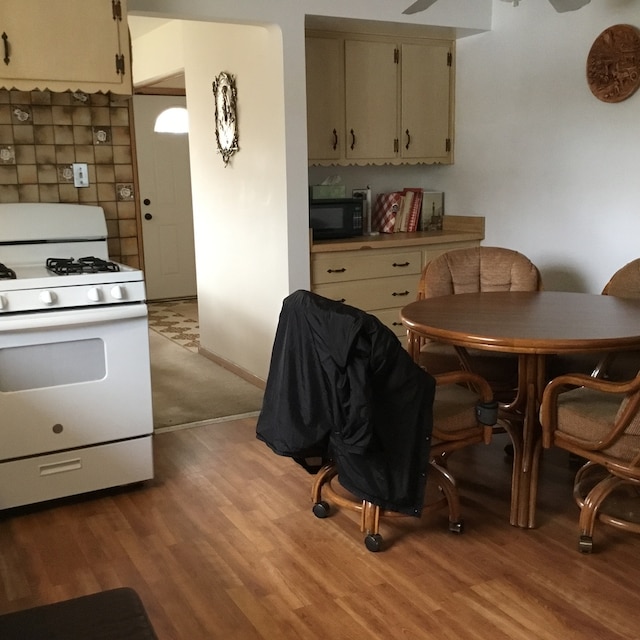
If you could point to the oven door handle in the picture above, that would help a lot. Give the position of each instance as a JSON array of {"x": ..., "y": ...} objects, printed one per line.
[{"x": 56, "y": 319}]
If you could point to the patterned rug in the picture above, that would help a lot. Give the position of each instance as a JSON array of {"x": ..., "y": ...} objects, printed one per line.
[{"x": 176, "y": 320}]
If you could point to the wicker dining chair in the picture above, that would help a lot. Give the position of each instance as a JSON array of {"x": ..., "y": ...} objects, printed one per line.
[
  {"x": 613, "y": 365},
  {"x": 598, "y": 421},
  {"x": 474, "y": 270},
  {"x": 463, "y": 414}
]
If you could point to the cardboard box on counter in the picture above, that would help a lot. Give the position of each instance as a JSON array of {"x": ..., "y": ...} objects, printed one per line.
[{"x": 327, "y": 191}]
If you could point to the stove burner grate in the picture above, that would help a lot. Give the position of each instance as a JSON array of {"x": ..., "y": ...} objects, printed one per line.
[
  {"x": 68, "y": 266},
  {"x": 6, "y": 273}
]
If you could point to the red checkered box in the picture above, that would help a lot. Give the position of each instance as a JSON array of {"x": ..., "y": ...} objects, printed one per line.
[{"x": 385, "y": 210}]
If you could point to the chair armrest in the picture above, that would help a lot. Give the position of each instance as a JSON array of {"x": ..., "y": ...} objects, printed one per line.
[
  {"x": 473, "y": 380},
  {"x": 557, "y": 385},
  {"x": 548, "y": 407},
  {"x": 486, "y": 409}
]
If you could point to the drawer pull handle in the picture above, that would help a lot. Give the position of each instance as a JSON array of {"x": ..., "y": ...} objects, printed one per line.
[
  {"x": 5, "y": 39},
  {"x": 397, "y": 324},
  {"x": 401, "y": 293},
  {"x": 336, "y": 270},
  {"x": 60, "y": 467},
  {"x": 353, "y": 139},
  {"x": 400, "y": 264},
  {"x": 335, "y": 139}
]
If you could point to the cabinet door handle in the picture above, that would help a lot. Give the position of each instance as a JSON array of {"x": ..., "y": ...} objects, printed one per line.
[
  {"x": 336, "y": 270},
  {"x": 400, "y": 264},
  {"x": 5, "y": 39},
  {"x": 408, "y": 139},
  {"x": 353, "y": 139},
  {"x": 400, "y": 293},
  {"x": 335, "y": 139}
]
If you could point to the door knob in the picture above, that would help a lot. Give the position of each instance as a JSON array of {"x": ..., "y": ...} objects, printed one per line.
[{"x": 147, "y": 216}]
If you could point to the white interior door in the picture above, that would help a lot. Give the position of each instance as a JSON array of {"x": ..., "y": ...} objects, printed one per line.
[{"x": 165, "y": 201}]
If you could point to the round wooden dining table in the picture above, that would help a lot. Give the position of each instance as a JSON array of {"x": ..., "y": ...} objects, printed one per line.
[{"x": 532, "y": 325}]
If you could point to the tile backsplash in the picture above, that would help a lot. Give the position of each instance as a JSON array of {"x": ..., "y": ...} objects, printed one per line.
[{"x": 42, "y": 133}]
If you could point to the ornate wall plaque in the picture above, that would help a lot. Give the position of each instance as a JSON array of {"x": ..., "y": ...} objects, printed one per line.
[
  {"x": 224, "y": 91},
  {"x": 613, "y": 64}
]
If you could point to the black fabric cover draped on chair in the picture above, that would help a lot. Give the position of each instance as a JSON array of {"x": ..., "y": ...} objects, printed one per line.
[{"x": 341, "y": 387}]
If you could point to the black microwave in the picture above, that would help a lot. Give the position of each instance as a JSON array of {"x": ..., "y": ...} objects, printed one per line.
[{"x": 336, "y": 218}]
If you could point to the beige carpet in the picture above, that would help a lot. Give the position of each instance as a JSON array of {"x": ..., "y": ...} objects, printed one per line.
[{"x": 187, "y": 387}]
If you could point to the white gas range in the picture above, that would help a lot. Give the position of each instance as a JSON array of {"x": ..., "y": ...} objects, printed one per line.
[{"x": 75, "y": 386}]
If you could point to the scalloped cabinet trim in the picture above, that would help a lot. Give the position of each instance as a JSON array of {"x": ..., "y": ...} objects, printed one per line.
[{"x": 73, "y": 45}]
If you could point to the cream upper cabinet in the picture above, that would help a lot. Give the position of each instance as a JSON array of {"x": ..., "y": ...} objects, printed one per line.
[
  {"x": 325, "y": 98},
  {"x": 391, "y": 97},
  {"x": 371, "y": 106},
  {"x": 425, "y": 129},
  {"x": 60, "y": 46}
]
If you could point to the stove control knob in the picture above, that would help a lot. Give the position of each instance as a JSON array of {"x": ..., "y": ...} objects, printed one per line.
[
  {"x": 47, "y": 297},
  {"x": 117, "y": 292},
  {"x": 94, "y": 294}
]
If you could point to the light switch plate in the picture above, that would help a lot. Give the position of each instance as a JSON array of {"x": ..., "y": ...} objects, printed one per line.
[{"x": 80, "y": 174}]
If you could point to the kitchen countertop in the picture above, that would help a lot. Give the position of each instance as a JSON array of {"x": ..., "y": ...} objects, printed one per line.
[{"x": 455, "y": 229}]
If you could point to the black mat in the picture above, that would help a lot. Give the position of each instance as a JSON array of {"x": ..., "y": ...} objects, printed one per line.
[{"x": 117, "y": 614}]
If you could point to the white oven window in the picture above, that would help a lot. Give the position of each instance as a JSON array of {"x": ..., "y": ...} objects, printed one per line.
[{"x": 50, "y": 365}]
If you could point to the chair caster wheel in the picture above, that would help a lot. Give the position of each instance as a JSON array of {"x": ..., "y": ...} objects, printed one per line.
[
  {"x": 373, "y": 542},
  {"x": 321, "y": 509},
  {"x": 456, "y": 527},
  {"x": 586, "y": 544}
]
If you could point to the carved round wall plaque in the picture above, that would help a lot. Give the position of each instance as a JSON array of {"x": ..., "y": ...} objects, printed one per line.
[{"x": 613, "y": 64}]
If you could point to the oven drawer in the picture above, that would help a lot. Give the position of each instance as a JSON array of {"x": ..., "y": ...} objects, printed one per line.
[{"x": 41, "y": 478}]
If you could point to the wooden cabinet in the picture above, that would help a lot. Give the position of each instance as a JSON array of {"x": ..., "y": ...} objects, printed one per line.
[
  {"x": 325, "y": 98},
  {"x": 371, "y": 100},
  {"x": 379, "y": 99},
  {"x": 426, "y": 129},
  {"x": 75, "y": 45},
  {"x": 380, "y": 274}
]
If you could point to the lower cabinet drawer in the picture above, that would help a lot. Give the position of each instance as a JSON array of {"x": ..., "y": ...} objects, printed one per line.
[
  {"x": 383, "y": 293},
  {"x": 30, "y": 480},
  {"x": 391, "y": 318},
  {"x": 345, "y": 266}
]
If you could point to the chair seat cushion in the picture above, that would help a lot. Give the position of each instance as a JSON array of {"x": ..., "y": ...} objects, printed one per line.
[
  {"x": 590, "y": 415},
  {"x": 454, "y": 410}
]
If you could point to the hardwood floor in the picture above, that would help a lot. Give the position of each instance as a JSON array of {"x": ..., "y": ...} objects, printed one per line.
[{"x": 223, "y": 544}]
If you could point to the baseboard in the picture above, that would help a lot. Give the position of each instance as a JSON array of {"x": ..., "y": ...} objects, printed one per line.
[
  {"x": 233, "y": 368},
  {"x": 206, "y": 423}
]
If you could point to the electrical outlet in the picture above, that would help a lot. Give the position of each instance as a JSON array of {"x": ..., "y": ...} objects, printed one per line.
[{"x": 80, "y": 174}]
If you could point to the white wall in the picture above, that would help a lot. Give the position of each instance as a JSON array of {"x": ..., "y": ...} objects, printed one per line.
[
  {"x": 240, "y": 220},
  {"x": 251, "y": 219},
  {"x": 553, "y": 169}
]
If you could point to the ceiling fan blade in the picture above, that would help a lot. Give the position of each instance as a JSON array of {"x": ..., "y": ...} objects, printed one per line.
[
  {"x": 568, "y": 5},
  {"x": 419, "y": 5}
]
